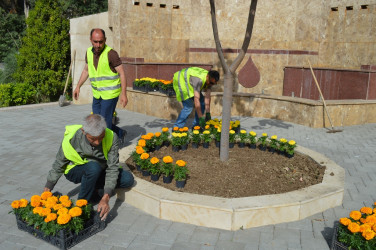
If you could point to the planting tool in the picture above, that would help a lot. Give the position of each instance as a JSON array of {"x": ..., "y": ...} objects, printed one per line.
[
  {"x": 323, "y": 100},
  {"x": 62, "y": 98}
]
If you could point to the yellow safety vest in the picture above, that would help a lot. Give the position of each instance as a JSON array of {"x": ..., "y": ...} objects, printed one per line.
[
  {"x": 183, "y": 89},
  {"x": 71, "y": 154},
  {"x": 104, "y": 82}
]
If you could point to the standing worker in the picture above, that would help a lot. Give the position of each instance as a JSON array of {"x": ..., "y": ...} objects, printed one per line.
[
  {"x": 188, "y": 84},
  {"x": 107, "y": 77}
]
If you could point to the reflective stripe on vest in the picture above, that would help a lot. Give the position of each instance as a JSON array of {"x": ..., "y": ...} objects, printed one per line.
[
  {"x": 71, "y": 154},
  {"x": 183, "y": 89},
  {"x": 105, "y": 83}
]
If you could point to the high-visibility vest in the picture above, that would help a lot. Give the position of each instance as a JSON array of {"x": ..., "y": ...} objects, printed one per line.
[
  {"x": 71, "y": 154},
  {"x": 104, "y": 83},
  {"x": 183, "y": 89}
]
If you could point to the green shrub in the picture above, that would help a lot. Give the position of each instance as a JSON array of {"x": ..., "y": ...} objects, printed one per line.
[{"x": 13, "y": 94}]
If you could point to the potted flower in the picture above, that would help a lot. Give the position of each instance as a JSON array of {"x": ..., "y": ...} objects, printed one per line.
[
  {"x": 167, "y": 169},
  {"x": 165, "y": 136},
  {"x": 217, "y": 136},
  {"x": 357, "y": 231},
  {"x": 206, "y": 138},
  {"x": 232, "y": 137},
  {"x": 155, "y": 169},
  {"x": 273, "y": 143},
  {"x": 149, "y": 142},
  {"x": 158, "y": 140},
  {"x": 242, "y": 138},
  {"x": 290, "y": 148},
  {"x": 166, "y": 88},
  {"x": 263, "y": 141},
  {"x": 184, "y": 141},
  {"x": 236, "y": 126},
  {"x": 253, "y": 139},
  {"x": 136, "y": 156},
  {"x": 176, "y": 141},
  {"x": 196, "y": 138},
  {"x": 145, "y": 164},
  {"x": 282, "y": 145},
  {"x": 180, "y": 173}
]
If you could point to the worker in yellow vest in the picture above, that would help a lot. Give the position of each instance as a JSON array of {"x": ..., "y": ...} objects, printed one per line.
[
  {"x": 188, "y": 84},
  {"x": 107, "y": 77},
  {"x": 89, "y": 154}
]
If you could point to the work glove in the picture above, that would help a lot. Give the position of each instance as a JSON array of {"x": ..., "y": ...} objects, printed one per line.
[
  {"x": 207, "y": 116},
  {"x": 202, "y": 122}
]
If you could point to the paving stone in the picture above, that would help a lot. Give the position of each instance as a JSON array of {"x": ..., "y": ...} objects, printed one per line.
[
  {"x": 204, "y": 236},
  {"x": 225, "y": 245}
]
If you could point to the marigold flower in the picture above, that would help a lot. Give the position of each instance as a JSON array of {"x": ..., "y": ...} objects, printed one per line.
[
  {"x": 67, "y": 203},
  {"x": 364, "y": 227},
  {"x": 219, "y": 130},
  {"x": 63, "y": 219},
  {"x": 207, "y": 126},
  {"x": 368, "y": 234},
  {"x": 15, "y": 204},
  {"x": 181, "y": 130},
  {"x": 37, "y": 210},
  {"x": 75, "y": 211},
  {"x": 141, "y": 143},
  {"x": 45, "y": 195},
  {"x": 353, "y": 227},
  {"x": 144, "y": 156},
  {"x": 232, "y": 132},
  {"x": 45, "y": 211},
  {"x": 196, "y": 127},
  {"x": 264, "y": 134},
  {"x": 157, "y": 134},
  {"x": 35, "y": 203},
  {"x": 62, "y": 210},
  {"x": 374, "y": 227},
  {"x": 167, "y": 159},
  {"x": 151, "y": 135},
  {"x": 180, "y": 163},
  {"x": 35, "y": 198},
  {"x": 345, "y": 221},
  {"x": 196, "y": 132},
  {"x": 50, "y": 217},
  {"x": 206, "y": 132},
  {"x": 56, "y": 207},
  {"x": 185, "y": 129},
  {"x": 81, "y": 203},
  {"x": 252, "y": 133},
  {"x": 184, "y": 134},
  {"x": 176, "y": 129},
  {"x": 165, "y": 129},
  {"x": 154, "y": 160},
  {"x": 273, "y": 137},
  {"x": 143, "y": 137},
  {"x": 243, "y": 131},
  {"x": 366, "y": 210},
  {"x": 175, "y": 134},
  {"x": 23, "y": 203},
  {"x": 355, "y": 215},
  {"x": 292, "y": 142},
  {"x": 50, "y": 204},
  {"x": 64, "y": 198},
  {"x": 140, "y": 150}
]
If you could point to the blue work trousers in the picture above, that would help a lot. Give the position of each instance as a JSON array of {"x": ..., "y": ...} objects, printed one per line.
[
  {"x": 188, "y": 106},
  {"x": 106, "y": 108}
]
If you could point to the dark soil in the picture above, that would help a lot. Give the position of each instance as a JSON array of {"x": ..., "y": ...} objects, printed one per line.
[{"x": 248, "y": 172}]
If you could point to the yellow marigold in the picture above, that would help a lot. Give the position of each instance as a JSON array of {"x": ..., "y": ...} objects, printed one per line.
[
  {"x": 175, "y": 129},
  {"x": 353, "y": 227},
  {"x": 232, "y": 132},
  {"x": 45, "y": 211},
  {"x": 196, "y": 127},
  {"x": 35, "y": 198},
  {"x": 274, "y": 137},
  {"x": 64, "y": 198},
  {"x": 15, "y": 204},
  {"x": 67, "y": 203},
  {"x": 364, "y": 227},
  {"x": 23, "y": 203},
  {"x": 157, "y": 134},
  {"x": 140, "y": 150},
  {"x": 355, "y": 215},
  {"x": 345, "y": 221},
  {"x": 154, "y": 160},
  {"x": 37, "y": 210},
  {"x": 368, "y": 234},
  {"x": 63, "y": 219},
  {"x": 175, "y": 134},
  {"x": 180, "y": 163},
  {"x": 144, "y": 156},
  {"x": 219, "y": 130},
  {"x": 57, "y": 206},
  {"x": 45, "y": 195},
  {"x": 62, "y": 210},
  {"x": 264, "y": 134},
  {"x": 81, "y": 203},
  {"x": 196, "y": 132},
  {"x": 243, "y": 131},
  {"x": 165, "y": 129},
  {"x": 252, "y": 133},
  {"x": 141, "y": 143},
  {"x": 207, "y": 126},
  {"x": 184, "y": 134},
  {"x": 50, "y": 217},
  {"x": 35, "y": 203},
  {"x": 366, "y": 210},
  {"x": 206, "y": 132},
  {"x": 75, "y": 211},
  {"x": 167, "y": 159},
  {"x": 283, "y": 140},
  {"x": 292, "y": 142}
]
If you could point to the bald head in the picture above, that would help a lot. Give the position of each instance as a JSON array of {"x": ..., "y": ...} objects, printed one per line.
[{"x": 98, "y": 39}]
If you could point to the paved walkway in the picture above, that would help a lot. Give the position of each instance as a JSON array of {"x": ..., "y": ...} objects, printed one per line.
[{"x": 30, "y": 137}]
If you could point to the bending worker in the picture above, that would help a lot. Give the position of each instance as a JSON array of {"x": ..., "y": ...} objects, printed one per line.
[
  {"x": 89, "y": 155},
  {"x": 188, "y": 84}
]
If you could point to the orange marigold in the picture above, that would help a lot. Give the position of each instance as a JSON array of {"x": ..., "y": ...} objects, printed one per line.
[
  {"x": 366, "y": 210},
  {"x": 355, "y": 215},
  {"x": 52, "y": 199},
  {"x": 35, "y": 203},
  {"x": 81, "y": 203},
  {"x": 196, "y": 127},
  {"x": 50, "y": 204},
  {"x": 75, "y": 211},
  {"x": 15, "y": 204},
  {"x": 180, "y": 163},
  {"x": 144, "y": 156},
  {"x": 35, "y": 198},
  {"x": 37, "y": 210},
  {"x": 45, "y": 195},
  {"x": 63, "y": 219},
  {"x": 67, "y": 203},
  {"x": 151, "y": 135},
  {"x": 56, "y": 207},
  {"x": 181, "y": 130},
  {"x": 157, "y": 134},
  {"x": 364, "y": 227},
  {"x": 207, "y": 126},
  {"x": 50, "y": 217},
  {"x": 140, "y": 150},
  {"x": 353, "y": 227},
  {"x": 23, "y": 203},
  {"x": 154, "y": 160},
  {"x": 165, "y": 129},
  {"x": 175, "y": 128},
  {"x": 368, "y": 234},
  {"x": 345, "y": 221},
  {"x": 141, "y": 143},
  {"x": 374, "y": 227},
  {"x": 167, "y": 159},
  {"x": 64, "y": 198},
  {"x": 63, "y": 210}
]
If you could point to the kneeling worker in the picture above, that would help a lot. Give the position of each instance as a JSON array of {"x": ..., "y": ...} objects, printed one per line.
[{"x": 89, "y": 154}]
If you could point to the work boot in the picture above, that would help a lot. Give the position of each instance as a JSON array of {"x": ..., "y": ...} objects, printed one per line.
[{"x": 123, "y": 133}]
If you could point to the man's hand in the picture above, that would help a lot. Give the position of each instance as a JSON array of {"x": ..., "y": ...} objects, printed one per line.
[
  {"x": 207, "y": 116},
  {"x": 46, "y": 190},
  {"x": 202, "y": 122},
  {"x": 123, "y": 100},
  {"x": 76, "y": 93},
  {"x": 104, "y": 207}
]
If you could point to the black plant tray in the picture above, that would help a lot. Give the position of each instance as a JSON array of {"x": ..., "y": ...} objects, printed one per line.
[
  {"x": 336, "y": 245},
  {"x": 64, "y": 239}
]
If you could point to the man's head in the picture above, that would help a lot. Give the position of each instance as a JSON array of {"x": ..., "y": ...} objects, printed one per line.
[
  {"x": 94, "y": 129},
  {"x": 213, "y": 77},
  {"x": 98, "y": 39}
]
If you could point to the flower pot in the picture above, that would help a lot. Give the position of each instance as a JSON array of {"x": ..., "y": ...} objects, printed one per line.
[
  {"x": 138, "y": 167},
  {"x": 166, "y": 143},
  {"x": 194, "y": 145},
  {"x": 231, "y": 145},
  {"x": 289, "y": 156},
  {"x": 154, "y": 177},
  {"x": 336, "y": 245},
  {"x": 262, "y": 148},
  {"x": 272, "y": 150},
  {"x": 218, "y": 144},
  {"x": 205, "y": 144},
  {"x": 145, "y": 172},
  {"x": 184, "y": 147},
  {"x": 180, "y": 184},
  {"x": 253, "y": 146},
  {"x": 167, "y": 179},
  {"x": 158, "y": 147},
  {"x": 175, "y": 148},
  {"x": 241, "y": 144}
]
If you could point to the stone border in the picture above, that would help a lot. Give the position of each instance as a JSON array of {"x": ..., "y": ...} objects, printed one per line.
[{"x": 236, "y": 213}]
